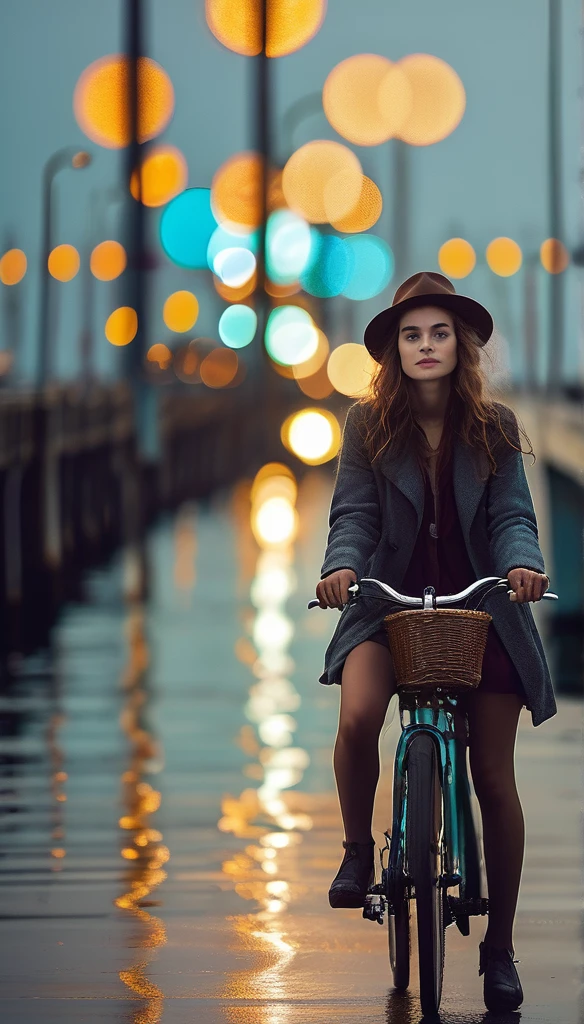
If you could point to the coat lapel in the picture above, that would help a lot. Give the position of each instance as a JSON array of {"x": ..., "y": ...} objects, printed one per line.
[
  {"x": 471, "y": 472},
  {"x": 403, "y": 471}
]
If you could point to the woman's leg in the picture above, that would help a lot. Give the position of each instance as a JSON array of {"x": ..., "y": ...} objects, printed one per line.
[
  {"x": 368, "y": 682},
  {"x": 493, "y": 719}
]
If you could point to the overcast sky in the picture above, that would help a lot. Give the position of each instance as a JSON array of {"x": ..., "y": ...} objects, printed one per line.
[{"x": 488, "y": 178}]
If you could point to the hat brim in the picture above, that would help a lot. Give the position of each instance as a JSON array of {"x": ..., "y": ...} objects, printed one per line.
[{"x": 378, "y": 330}]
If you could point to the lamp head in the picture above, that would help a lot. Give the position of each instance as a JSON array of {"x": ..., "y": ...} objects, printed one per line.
[{"x": 80, "y": 160}]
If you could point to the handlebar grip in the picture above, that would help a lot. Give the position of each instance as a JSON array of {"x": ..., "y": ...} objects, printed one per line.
[{"x": 313, "y": 604}]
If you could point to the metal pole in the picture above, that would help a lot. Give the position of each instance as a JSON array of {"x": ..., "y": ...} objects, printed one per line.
[
  {"x": 133, "y": 278},
  {"x": 401, "y": 209},
  {"x": 62, "y": 158},
  {"x": 555, "y": 166}
]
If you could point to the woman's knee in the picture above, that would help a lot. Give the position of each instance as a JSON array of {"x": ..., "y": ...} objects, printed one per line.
[
  {"x": 358, "y": 731},
  {"x": 495, "y": 788}
]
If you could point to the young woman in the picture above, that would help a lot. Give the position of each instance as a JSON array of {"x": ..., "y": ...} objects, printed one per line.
[{"x": 431, "y": 490}]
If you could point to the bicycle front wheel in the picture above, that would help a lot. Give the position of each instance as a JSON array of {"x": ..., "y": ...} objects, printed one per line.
[{"x": 424, "y": 861}]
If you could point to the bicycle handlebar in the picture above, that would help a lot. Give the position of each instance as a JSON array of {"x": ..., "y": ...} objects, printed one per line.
[{"x": 384, "y": 592}]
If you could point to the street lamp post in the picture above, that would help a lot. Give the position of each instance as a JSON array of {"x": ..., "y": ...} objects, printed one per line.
[{"x": 67, "y": 157}]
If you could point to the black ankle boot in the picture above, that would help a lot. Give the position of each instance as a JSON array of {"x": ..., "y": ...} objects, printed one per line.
[
  {"x": 502, "y": 988},
  {"x": 354, "y": 876}
]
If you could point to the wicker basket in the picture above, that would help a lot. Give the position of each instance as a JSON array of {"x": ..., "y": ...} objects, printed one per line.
[{"x": 437, "y": 647}]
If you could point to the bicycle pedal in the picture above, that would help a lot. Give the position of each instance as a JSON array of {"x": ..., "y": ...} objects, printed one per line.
[{"x": 375, "y": 905}]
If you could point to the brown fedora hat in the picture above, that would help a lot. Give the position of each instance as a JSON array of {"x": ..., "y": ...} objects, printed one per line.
[{"x": 426, "y": 289}]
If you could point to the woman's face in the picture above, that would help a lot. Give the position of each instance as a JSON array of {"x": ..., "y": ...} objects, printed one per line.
[{"x": 427, "y": 333}]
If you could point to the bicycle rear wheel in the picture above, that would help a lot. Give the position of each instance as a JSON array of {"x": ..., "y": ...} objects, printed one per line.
[{"x": 424, "y": 861}]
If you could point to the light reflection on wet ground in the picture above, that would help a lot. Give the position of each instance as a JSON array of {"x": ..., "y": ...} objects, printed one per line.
[{"x": 169, "y": 822}]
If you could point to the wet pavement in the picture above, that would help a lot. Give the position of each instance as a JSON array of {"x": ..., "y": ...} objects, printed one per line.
[{"x": 169, "y": 822}]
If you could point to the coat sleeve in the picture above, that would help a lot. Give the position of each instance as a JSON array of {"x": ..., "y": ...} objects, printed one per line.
[
  {"x": 355, "y": 514},
  {"x": 511, "y": 521}
]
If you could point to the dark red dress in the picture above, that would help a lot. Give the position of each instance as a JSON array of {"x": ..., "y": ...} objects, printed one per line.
[{"x": 440, "y": 560}]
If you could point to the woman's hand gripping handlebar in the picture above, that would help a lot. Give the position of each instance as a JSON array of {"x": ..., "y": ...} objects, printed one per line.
[{"x": 384, "y": 592}]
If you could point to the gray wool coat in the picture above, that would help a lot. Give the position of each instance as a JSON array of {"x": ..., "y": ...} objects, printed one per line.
[{"x": 375, "y": 516}]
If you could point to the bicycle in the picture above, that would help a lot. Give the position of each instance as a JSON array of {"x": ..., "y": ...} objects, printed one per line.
[{"x": 432, "y": 846}]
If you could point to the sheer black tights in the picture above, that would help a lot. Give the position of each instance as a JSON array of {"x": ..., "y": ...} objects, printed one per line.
[{"x": 367, "y": 686}]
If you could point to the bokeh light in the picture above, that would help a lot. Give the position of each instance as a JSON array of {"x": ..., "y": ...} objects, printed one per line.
[
  {"x": 186, "y": 227},
  {"x": 235, "y": 294},
  {"x": 237, "y": 326},
  {"x": 438, "y": 100},
  {"x": 290, "y": 24},
  {"x": 180, "y": 311},
  {"x": 235, "y": 266},
  {"x": 236, "y": 194},
  {"x": 159, "y": 354},
  {"x": 100, "y": 100},
  {"x": 311, "y": 365},
  {"x": 317, "y": 386},
  {"x": 13, "y": 266},
  {"x": 121, "y": 326},
  {"x": 366, "y": 99},
  {"x": 372, "y": 267},
  {"x": 288, "y": 246},
  {"x": 274, "y": 521},
  {"x": 554, "y": 256},
  {"x": 164, "y": 174},
  {"x": 291, "y": 335},
  {"x": 186, "y": 364},
  {"x": 456, "y": 257},
  {"x": 504, "y": 256},
  {"x": 349, "y": 369},
  {"x": 365, "y": 213},
  {"x": 273, "y": 479},
  {"x": 63, "y": 262},
  {"x": 322, "y": 181},
  {"x": 331, "y": 264},
  {"x": 219, "y": 368},
  {"x": 313, "y": 435},
  {"x": 108, "y": 260}
]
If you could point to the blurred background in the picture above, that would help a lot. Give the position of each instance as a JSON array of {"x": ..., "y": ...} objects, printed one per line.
[{"x": 202, "y": 206}]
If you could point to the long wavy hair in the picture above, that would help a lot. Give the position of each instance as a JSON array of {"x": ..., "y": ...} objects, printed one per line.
[{"x": 472, "y": 412}]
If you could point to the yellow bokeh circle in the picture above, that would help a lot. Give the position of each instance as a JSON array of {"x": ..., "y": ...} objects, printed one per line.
[
  {"x": 100, "y": 100},
  {"x": 312, "y": 365},
  {"x": 349, "y": 369},
  {"x": 554, "y": 256},
  {"x": 121, "y": 326},
  {"x": 163, "y": 175},
  {"x": 504, "y": 256},
  {"x": 235, "y": 191},
  {"x": 366, "y": 211},
  {"x": 322, "y": 181},
  {"x": 63, "y": 262},
  {"x": 13, "y": 266},
  {"x": 313, "y": 435},
  {"x": 438, "y": 100},
  {"x": 456, "y": 258},
  {"x": 366, "y": 98},
  {"x": 108, "y": 260},
  {"x": 290, "y": 24},
  {"x": 180, "y": 311}
]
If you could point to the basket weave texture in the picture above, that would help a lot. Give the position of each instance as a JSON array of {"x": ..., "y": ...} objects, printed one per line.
[{"x": 437, "y": 647}]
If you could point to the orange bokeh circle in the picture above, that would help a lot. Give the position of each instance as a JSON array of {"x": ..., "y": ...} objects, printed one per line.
[
  {"x": 108, "y": 260},
  {"x": 554, "y": 256},
  {"x": 100, "y": 100},
  {"x": 13, "y": 266},
  {"x": 365, "y": 213},
  {"x": 322, "y": 181},
  {"x": 219, "y": 368},
  {"x": 163, "y": 175},
  {"x": 504, "y": 256},
  {"x": 456, "y": 258},
  {"x": 438, "y": 100},
  {"x": 121, "y": 326},
  {"x": 366, "y": 99},
  {"x": 63, "y": 262},
  {"x": 290, "y": 24},
  {"x": 236, "y": 192}
]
